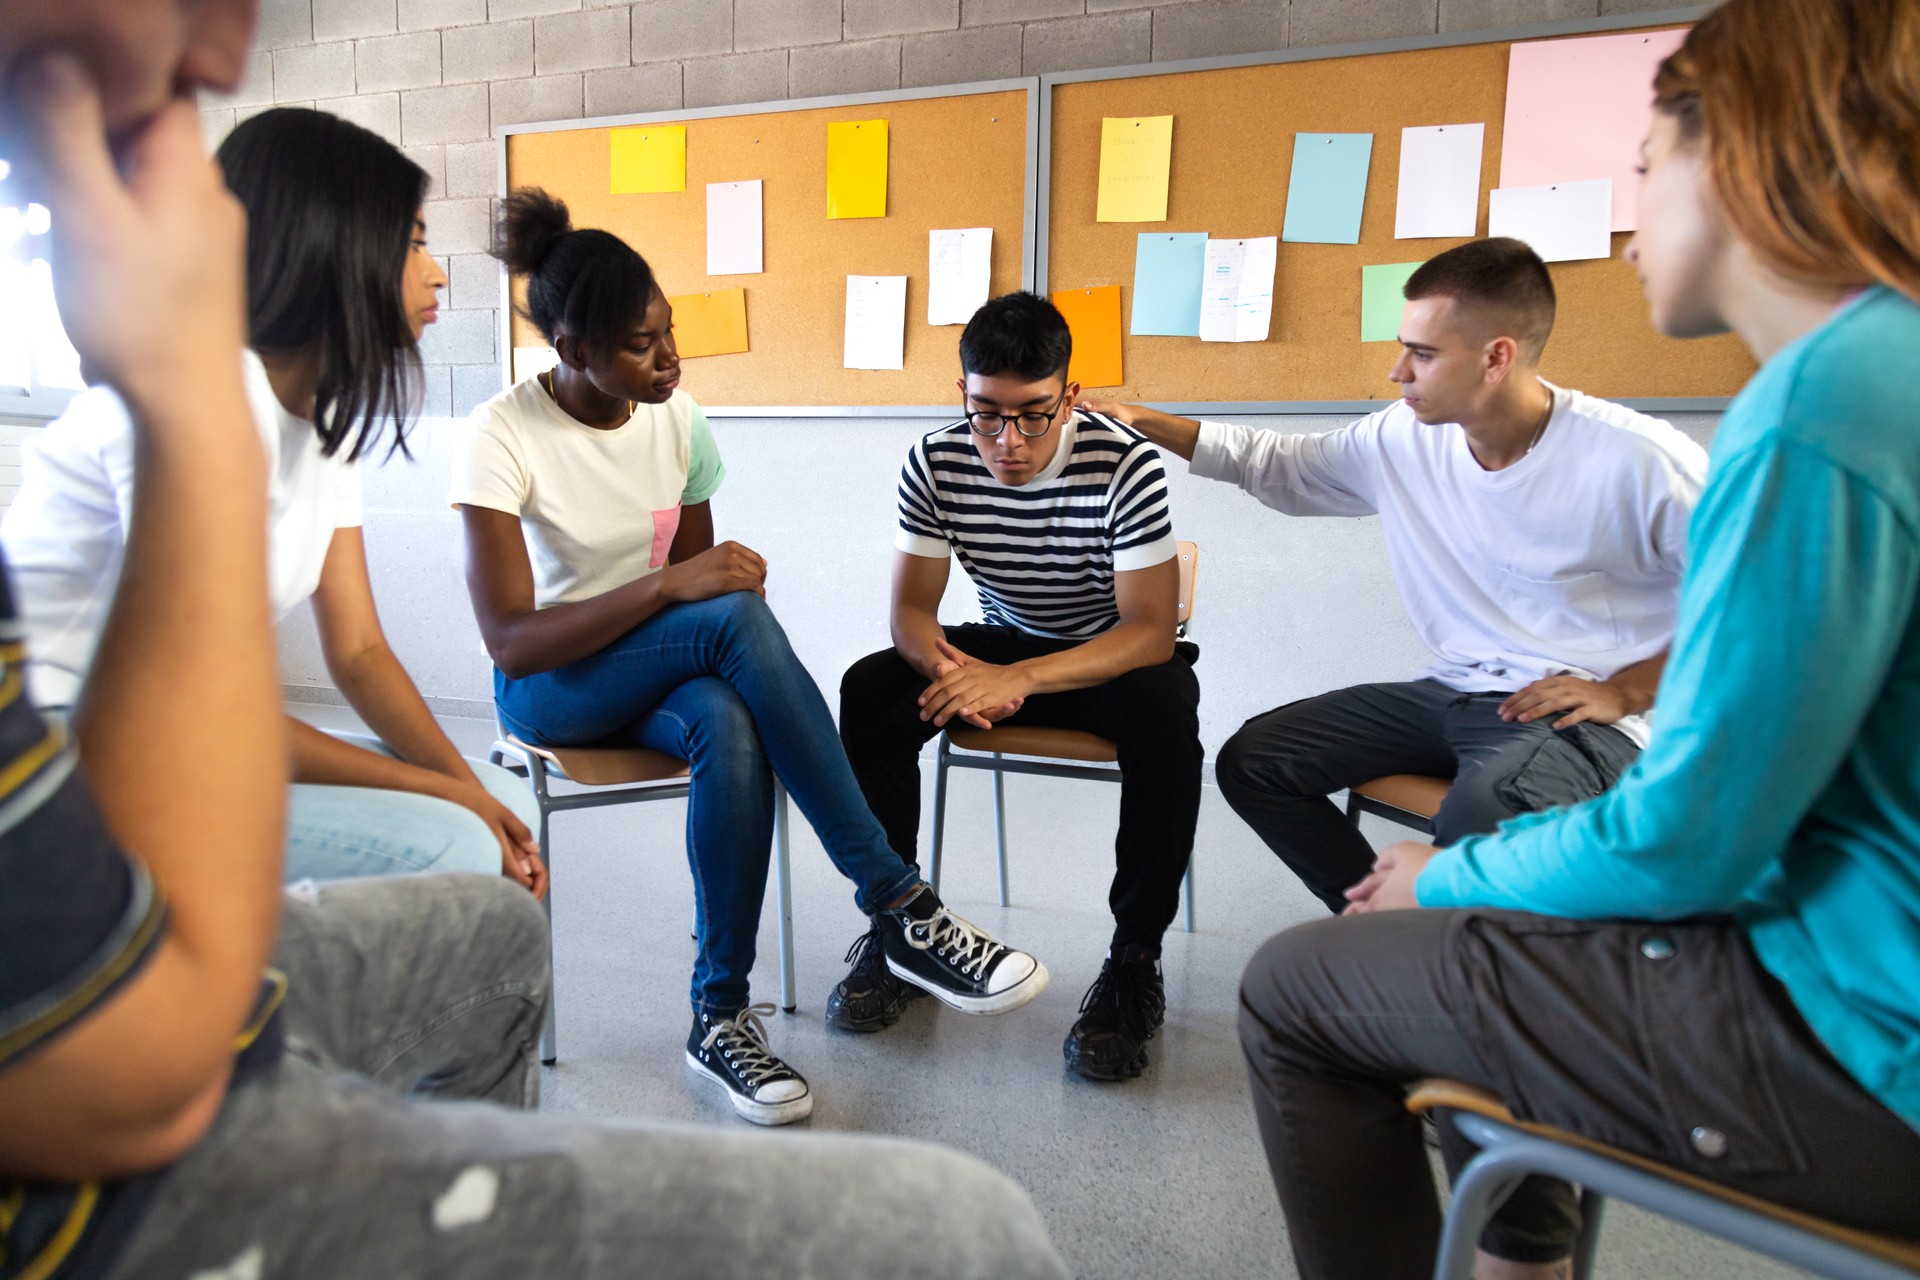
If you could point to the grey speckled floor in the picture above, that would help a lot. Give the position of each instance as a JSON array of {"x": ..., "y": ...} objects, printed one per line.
[{"x": 1161, "y": 1177}]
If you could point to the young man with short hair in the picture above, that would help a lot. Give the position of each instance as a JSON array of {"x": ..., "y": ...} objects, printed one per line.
[
  {"x": 1537, "y": 535},
  {"x": 1061, "y": 519}
]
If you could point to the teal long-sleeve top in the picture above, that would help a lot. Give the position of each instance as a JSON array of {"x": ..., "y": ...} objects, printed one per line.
[{"x": 1782, "y": 784}]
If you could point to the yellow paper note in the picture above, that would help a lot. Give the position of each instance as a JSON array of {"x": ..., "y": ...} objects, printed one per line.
[
  {"x": 857, "y": 169},
  {"x": 710, "y": 324},
  {"x": 649, "y": 158},
  {"x": 1135, "y": 153},
  {"x": 1093, "y": 318}
]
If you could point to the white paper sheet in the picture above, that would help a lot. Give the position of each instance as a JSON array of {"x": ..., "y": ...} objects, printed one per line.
[
  {"x": 1563, "y": 221},
  {"x": 1439, "y": 181},
  {"x": 876, "y": 322},
  {"x": 960, "y": 263},
  {"x": 1236, "y": 297},
  {"x": 733, "y": 229}
]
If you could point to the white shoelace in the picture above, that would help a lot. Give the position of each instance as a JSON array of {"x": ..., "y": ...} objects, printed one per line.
[
  {"x": 746, "y": 1047},
  {"x": 962, "y": 944}
]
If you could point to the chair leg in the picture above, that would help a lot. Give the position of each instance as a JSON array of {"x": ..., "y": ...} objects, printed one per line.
[
  {"x": 1000, "y": 825},
  {"x": 1592, "y": 1204},
  {"x": 1190, "y": 927},
  {"x": 783, "y": 892},
  {"x": 939, "y": 813},
  {"x": 549, "y": 1027}
]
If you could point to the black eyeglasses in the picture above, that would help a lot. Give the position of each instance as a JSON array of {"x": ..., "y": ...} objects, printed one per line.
[{"x": 1031, "y": 423}]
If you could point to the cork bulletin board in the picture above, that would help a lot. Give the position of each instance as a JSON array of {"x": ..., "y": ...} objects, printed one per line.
[
  {"x": 956, "y": 159},
  {"x": 1233, "y": 133}
]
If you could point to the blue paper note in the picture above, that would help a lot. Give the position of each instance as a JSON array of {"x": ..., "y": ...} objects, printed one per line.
[
  {"x": 1327, "y": 187},
  {"x": 1168, "y": 272}
]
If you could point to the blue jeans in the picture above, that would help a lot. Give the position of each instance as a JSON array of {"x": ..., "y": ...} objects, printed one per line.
[
  {"x": 339, "y": 833},
  {"x": 716, "y": 683}
]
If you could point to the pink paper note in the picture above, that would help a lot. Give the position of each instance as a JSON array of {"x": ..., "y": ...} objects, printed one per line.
[{"x": 1578, "y": 109}]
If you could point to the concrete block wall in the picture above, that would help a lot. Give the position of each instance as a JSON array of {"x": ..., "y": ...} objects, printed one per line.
[{"x": 1287, "y": 608}]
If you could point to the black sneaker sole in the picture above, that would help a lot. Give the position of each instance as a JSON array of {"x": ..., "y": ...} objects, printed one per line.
[
  {"x": 1089, "y": 1068},
  {"x": 838, "y": 1017}
]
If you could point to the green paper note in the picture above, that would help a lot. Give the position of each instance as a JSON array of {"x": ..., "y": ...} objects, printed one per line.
[{"x": 1381, "y": 299}]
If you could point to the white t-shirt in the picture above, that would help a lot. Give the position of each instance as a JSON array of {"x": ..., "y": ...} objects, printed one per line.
[
  {"x": 598, "y": 508},
  {"x": 1567, "y": 562},
  {"x": 66, "y": 532}
]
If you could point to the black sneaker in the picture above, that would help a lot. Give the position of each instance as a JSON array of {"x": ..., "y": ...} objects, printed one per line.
[
  {"x": 869, "y": 998},
  {"x": 733, "y": 1053},
  {"x": 957, "y": 963},
  {"x": 1124, "y": 1007}
]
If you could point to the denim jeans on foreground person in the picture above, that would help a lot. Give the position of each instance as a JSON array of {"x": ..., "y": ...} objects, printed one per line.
[
  {"x": 716, "y": 683},
  {"x": 320, "y": 1167},
  {"x": 336, "y": 833}
]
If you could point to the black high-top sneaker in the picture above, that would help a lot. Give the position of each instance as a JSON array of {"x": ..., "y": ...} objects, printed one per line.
[
  {"x": 957, "y": 963},
  {"x": 869, "y": 998},
  {"x": 733, "y": 1053},
  {"x": 1123, "y": 1008}
]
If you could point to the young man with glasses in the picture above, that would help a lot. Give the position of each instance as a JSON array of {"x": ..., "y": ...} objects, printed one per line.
[{"x": 1061, "y": 519}]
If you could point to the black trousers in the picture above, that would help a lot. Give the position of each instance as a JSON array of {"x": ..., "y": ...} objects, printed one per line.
[
  {"x": 1666, "y": 1040},
  {"x": 1152, "y": 715},
  {"x": 1279, "y": 768}
]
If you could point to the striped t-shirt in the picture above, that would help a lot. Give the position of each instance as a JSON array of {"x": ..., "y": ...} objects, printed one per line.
[{"x": 1042, "y": 554}]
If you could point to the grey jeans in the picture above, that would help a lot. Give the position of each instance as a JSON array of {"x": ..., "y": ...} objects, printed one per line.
[
  {"x": 1279, "y": 768},
  {"x": 323, "y": 1167},
  {"x": 1667, "y": 1040}
]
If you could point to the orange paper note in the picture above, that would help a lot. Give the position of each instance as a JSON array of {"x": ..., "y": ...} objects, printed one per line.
[
  {"x": 710, "y": 324},
  {"x": 1093, "y": 318}
]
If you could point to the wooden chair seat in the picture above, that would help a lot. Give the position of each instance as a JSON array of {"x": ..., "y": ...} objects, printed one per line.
[
  {"x": 1412, "y": 792},
  {"x": 607, "y": 766},
  {"x": 1451, "y": 1094},
  {"x": 1026, "y": 740}
]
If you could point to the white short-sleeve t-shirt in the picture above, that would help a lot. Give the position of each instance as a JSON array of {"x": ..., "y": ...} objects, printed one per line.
[
  {"x": 1568, "y": 562},
  {"x": 598, "y": 509},
  {"x": 66, "y": 532}
]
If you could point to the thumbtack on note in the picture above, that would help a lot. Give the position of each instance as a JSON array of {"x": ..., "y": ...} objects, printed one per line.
[
  {"x": 1327, "y": 188},
  {"x": 649, "y": 158}
]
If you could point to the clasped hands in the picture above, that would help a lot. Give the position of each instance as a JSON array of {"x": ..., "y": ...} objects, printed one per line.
[
  {"x": 1389, "y": 886},
  {"x": 979, "y": 693}
]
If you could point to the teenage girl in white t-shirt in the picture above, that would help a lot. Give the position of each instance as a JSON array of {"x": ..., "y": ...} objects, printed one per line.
[
  {"x": 612, "y": 617},
  {"x": 339, "y": 288}
]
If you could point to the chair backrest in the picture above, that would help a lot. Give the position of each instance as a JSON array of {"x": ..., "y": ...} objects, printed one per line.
[{"x": 1189, "y": 553}]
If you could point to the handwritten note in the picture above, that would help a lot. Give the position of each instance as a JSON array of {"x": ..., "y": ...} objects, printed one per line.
[
  {"x": 1236, "y": 300},
  {"x": 1135, "y": 156},
  {"x": 876, "y": 322},
  {"x": 649, "y": 158},
  {"x": 1563, "y": 221},
  {"x": 1093, "y": 319},
  {"x": 960, "y": 265},
  {"x": 1439, "y": 192},
  {"x": 713, "y": 323},
  {"x": 1577, "y": 110},
  {"x": 857, "y": 169},
  {"x": 734, "y": 238},
  {"x": 1327, "y": 188}
]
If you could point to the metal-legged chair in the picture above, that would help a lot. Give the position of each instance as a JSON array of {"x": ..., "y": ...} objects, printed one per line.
[
  {"x": 1511, "y": 1150},
  {"x": 1406, "y": 798},
  {"x": 1008, "y": 748},
  {"x": 629, "y": 775}
]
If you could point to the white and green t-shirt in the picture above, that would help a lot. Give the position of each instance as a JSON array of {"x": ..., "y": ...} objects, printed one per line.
[{"x": 598, "y": 508}]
